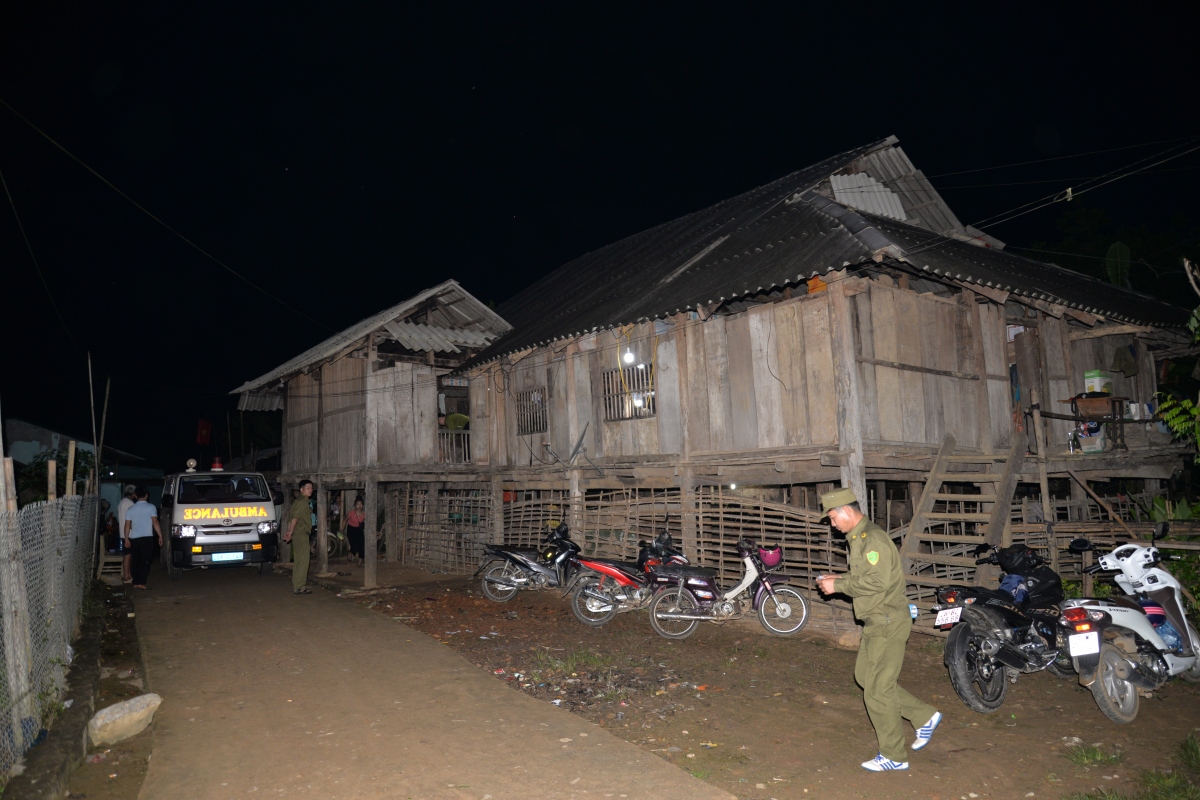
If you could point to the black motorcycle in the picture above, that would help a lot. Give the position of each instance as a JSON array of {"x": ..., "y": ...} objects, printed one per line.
[
  {"x": 508, "y": 570},
  {"x": 997, "y": 634}
]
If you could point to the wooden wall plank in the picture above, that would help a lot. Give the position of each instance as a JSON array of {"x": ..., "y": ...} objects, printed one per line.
[
  {"x": 698, "y": 426},
  {"x": 789, "y": 327},
  {"x": 741, "y": 382},
  {"x": 425, "y": 410},
  {"x": 992, "y": 332},
  {"x": 822, "y": 402},
  {"x": 667, "y": 411},
  {"x": 908, "y": 351},
  {"x": 599, "y": 426},
  {"x": 927, "y": 323},
  {"x": 768, "y": 384},
  {"x": 867, "y": 389},
  {"x": 558, "y": 426},
  {"x": 887, "y": 380},
  {"x": 583, "y": 410},
  {"x": 480, "y": 421},
  {"x": 720, "y": 401}
]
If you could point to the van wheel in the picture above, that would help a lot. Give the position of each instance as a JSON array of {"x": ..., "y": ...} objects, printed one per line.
[
  {"x": 173, "y": 572},
  {"x": 266, "y": 568}
]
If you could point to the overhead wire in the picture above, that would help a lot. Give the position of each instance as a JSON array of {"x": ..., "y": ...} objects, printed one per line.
[
  {"x": 38, "y": 267},
  {"x": 152, "y": 216}
]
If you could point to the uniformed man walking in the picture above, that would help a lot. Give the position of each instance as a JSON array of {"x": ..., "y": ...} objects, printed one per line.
[
  {"x": 298, "y": 530},
  {"x": 876, "y": 582}
]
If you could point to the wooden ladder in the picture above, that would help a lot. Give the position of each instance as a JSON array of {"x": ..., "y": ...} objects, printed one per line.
[{"x": 947, "y": 525}]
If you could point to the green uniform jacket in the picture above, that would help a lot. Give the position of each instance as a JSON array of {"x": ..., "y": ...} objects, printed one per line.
[
  {"x": 876, "y": 579},
  {"x": 301, "y": 511}
]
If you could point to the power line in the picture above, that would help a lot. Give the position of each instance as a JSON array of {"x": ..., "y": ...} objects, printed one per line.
[
  {"x": 1056, "y": 180},
  {"x": 36, "y": 266},
  {"x": 147, "y": 212},
  {"x": 1059, "y": 158}
]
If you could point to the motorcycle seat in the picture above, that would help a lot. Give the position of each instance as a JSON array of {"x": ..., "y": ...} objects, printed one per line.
[{"x": 687, "y": 571}]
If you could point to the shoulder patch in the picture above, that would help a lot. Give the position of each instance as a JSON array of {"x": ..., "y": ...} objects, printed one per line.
[{"x": 873, "y": 557}]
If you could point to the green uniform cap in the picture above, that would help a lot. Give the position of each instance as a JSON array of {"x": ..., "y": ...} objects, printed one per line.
[{"x": 836, "y": 499}]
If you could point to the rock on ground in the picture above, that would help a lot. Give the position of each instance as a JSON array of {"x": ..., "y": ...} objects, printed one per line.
[{"x": 122, "y": 720}]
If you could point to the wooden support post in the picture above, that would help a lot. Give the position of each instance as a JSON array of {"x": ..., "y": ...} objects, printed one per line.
[
  {"x": 51, "y": 480},
  {"x": 370, "y": 534},
  {"x": 392, "y": 520},
  {"x": 689, "y": 512},
  {"x": 845, "y": 385},
  {"x": 10, "y": 486},
  {"x": 15, "y": 630},
  {"x": 1103, "y": 503},
  {"x": 881, "y": 502},
  {"x": 1089, "y": 582},
  {"x": 1039, "y": 433},
  {"x": 322, "y": 527},
  {"x": 404, "y": 512},
  {"x": 71, "y": 468},
  {"x": 497, "y": 511}
]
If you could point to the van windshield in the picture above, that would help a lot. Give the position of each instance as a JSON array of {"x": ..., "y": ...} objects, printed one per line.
[{"x": 222, "y": 488}]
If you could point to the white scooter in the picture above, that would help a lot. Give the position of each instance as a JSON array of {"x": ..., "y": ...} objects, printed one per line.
[{"x": 1116, "y": 649}]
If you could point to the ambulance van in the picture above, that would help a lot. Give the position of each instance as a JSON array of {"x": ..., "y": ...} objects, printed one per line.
[{"x": 219, "y": 519}]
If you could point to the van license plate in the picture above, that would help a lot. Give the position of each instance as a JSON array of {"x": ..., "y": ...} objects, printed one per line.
[
  {"x": 948, "y": 616},
  {"x": 1084, "y": 644},
  {"x": 227, "y": 557}
]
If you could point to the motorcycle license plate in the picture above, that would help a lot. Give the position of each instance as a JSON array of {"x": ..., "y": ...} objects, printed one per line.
[
  {"x": 948, "y": 616},
  {"x": 1084, "y": 644}
]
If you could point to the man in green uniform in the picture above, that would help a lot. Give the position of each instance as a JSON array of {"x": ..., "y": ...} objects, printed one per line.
[
  {"x": 876, "y": 582},
  {"x": 299, "y": 527}
]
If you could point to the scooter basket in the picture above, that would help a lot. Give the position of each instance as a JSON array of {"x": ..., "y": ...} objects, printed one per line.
[{"x": 771, "y": 557}]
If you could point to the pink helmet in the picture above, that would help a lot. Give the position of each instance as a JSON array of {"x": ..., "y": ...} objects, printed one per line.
[{"x": 770, "y": 556}]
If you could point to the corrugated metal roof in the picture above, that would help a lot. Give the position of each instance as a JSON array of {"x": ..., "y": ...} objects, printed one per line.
[
  {"x": 1000, "y": 269},
  {"x": 266, "y": 400},
  {"x": 770, "y": 237},
  {"x": 450, "y": 305},
  {"x": 423, "y": 337},
  {"x": 860, "y": 190}
]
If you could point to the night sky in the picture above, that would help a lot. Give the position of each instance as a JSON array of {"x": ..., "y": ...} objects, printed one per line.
[{"x": 345, "y": 156}]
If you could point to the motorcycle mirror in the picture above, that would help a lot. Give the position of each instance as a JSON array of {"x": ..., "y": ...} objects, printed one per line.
[
  {"x": 1160, "y": 531},
  {"x": 980, "y": 549},
  {"x": 1078, "y": 546},
  {"x": 642, "y": 545}
]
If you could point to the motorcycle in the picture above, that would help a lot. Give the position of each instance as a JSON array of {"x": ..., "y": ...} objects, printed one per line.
[
  {"x": 608, "y": 587},
  {"x": 688, "y": 595},
  {"x": 1123, "y": 647},
  {"x": 998, "y": 634},
  {"x": 508, "y": 570}
]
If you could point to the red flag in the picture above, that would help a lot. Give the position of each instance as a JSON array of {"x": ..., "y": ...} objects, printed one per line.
[{"x": 204, "y": 432}]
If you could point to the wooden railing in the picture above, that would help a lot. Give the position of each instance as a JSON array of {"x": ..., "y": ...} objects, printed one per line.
[{"x": 454, "y": 447}]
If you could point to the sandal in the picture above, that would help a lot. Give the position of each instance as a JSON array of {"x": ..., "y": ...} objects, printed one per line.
[{"x": 305, "y": 590}]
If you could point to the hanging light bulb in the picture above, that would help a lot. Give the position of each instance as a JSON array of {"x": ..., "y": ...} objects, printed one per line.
[
  {"x": 641, "y": 366},
  {"x": 733, "y": 486},
  {"x": 629, "y": 356},
  {"x": 637, "y": 399}
]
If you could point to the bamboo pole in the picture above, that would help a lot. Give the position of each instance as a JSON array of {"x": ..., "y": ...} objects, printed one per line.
[
  {"x": 71, "y": 468},
  {"x": 1101, "y": 501},
  {"x": 1048, "y": 515},
  {"x": 51, "y": 480},
  {"x": 10, "y": 484}
]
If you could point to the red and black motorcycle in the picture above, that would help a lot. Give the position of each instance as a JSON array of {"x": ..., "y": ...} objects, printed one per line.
[{"x": 605, "y": 587}]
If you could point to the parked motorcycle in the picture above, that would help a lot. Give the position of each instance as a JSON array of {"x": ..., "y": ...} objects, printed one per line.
[
  {"x": 997, "y": 634},
  {"x": 1125, "y": 646},
  {"x": 689, "y": 595},
  {"x": 508, "y": 570},
  {"x": 605, "y": 587}
]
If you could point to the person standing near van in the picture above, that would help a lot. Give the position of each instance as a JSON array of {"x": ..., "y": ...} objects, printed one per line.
[
  {"x": 298, "y": 530},
  {"x": 141, "y": 523},
  {"x": 122, "y": 509},
  {"x": 876, "y": 583}
]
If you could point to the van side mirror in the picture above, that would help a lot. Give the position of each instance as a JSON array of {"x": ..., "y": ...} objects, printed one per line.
[
  {"x": 1079, "y": 546},
  {"x": 277, "y": 498},
  {"x": 168, "y": 499}
]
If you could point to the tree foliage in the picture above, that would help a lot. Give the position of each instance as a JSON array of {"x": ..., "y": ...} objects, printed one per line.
[{"x": 32, "y": 479}]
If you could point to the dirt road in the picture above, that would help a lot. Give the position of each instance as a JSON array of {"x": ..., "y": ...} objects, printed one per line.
[{"x": 268, "y": 694}]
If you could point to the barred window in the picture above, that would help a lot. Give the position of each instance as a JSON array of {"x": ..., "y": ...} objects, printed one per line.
[
  {"x": 531, "y": 412},
  {"x": 629, "y": 393}
]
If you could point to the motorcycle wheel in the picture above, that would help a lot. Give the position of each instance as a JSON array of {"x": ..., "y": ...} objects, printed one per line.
[
  {"x": 785, "y": 613},
  {"x": 674, "y": 599},
  {"x": 1061, "y": 667},
  {"x": 1118, "y": 699},
  {"x": 589, "y": 610},
  {"x": 1192, "y": 675},
  {"x": 494, "y": 591},
  {"x": 979, "y": 681}
]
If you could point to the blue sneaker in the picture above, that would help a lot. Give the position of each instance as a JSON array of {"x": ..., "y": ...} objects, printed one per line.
[
  {"x": 881, "y": 764},
  {"x": 925, "y": 732}
]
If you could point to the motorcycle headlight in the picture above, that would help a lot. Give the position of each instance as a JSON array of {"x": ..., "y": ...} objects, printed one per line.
[
  {"x": 183, "y": 530},
  {"x": 266, "y": 527}
]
